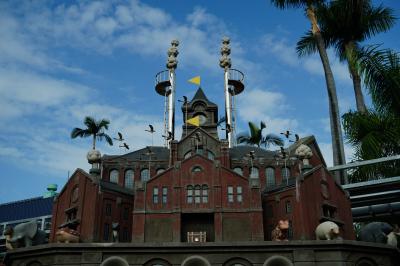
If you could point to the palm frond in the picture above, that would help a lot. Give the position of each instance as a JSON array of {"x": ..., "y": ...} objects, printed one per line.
[
  {"x": 307, "y": 45},
  {"x": 100, "y": 136},
  {"x": 272, "y": 139},
  {"x": 78, "y": 132},
  {"x": 103, "y": 123}
]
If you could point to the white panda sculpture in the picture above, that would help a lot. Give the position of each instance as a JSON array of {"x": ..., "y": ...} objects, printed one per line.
[{"x": 327, "y": 231}]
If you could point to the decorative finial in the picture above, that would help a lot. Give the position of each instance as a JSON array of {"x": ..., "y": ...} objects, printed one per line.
[
  {"x": 173, "y": 52},
  {"x": 303, "y": 152},
  {"x": 225, "y": 61}
]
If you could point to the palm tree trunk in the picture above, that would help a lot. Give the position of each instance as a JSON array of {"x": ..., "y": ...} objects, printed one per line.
[
  {"x": 94, "y": 141},
  {"x": 351, "y": 61},
  {"x": 336, "y": 130}
]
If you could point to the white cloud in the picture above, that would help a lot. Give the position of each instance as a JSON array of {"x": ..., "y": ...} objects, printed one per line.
[
  {"x": 263, "y": 105},
  {"x": 286, "y": 53},
  {"x": 326, "y": 150}
]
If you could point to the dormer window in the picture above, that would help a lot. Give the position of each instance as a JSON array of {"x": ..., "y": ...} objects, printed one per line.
[{"x": 114, "y": 176}]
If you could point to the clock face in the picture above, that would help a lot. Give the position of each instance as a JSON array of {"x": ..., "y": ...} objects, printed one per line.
[{"x": 202, "y": 119}]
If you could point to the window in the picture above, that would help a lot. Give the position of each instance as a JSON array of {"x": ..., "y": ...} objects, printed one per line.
[
  {"x": 160, "y": 170},
  {"x": 1, "y": 229},
  {"x": 199, "y": 150},
  {"x": 187, "y": 155},
  {"x": 230, "y": 194},
  {"x": 239, "y": 193},
  {"x": 155, "y": 195},
  {"x": 164, "y": 195},
  {"x": 190, "y": 194},
  {"x": 288, "y": 207},
  {"x": 270, "y": 174},
  {"x": 106, "y": 232},
  {"x": 285, "y": 173},
  {"x": 204, "y": 191},
  {"x": 108, "y": 209},
  {"x": 39, "y": 223},
  {"x": 254, "y": 172},
  {"x": 125, "y": 214},
  {"x": 114, "y": 176},
  {"x": 210, "y": 155},
  {"x": 197, "y": 194},
  {"x": 144, "y": 175},
  {"x": 196, "y": 169},
  {"x": 238, "y": 170},
  {"x": 129, "y": 175},
  {"x": 47, "y": 224}
]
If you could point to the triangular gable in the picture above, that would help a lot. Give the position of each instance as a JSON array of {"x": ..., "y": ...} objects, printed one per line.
[
  {"x": 77, "y": 171},
  {"x": 309, "y": 141}
]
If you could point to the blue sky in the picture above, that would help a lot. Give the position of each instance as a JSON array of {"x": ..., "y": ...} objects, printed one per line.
[{"x": 61, "y": 61}]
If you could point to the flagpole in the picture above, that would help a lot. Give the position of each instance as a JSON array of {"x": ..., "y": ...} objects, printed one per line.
[
  {"x": 172, "y": 63},
  {"x": 225, "y": 63}
]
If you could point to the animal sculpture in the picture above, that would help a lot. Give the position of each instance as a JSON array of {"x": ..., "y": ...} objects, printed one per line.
[
  {"x": 376, "y": 232},
  {"x": 327, "y": 231},
  {"x": 280, "y": 231},
  {"x": 24, "y": 235},
  {"x": 67, "y": 235}
]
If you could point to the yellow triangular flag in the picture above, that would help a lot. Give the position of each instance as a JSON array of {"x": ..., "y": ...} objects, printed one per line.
[
  {"x": 195, "y": 80},
  {"x": 194, "y": 121}
]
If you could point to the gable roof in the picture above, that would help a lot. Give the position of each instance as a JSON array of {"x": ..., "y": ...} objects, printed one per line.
[
  {"x": 240, "y": 151},
  {"x": 309, "y": 140},
  {"x": 160, "y": 153},
  {"x": 26, "y": 209},
  {"x": 200, "y": 96}
]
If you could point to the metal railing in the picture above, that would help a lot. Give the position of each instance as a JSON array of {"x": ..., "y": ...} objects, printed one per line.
[
  {"x": 162, "y": 76},
  {"x": 235, "y": 74}
]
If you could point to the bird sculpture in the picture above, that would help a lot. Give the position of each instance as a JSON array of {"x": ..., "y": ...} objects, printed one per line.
[
  {"x": 167, "y": 137},
  {"x": 283, "y": 152},
  {"x": 286, "y": 133},
  {"x": 120, "y": 138},
  {"x": 297, "y": 138},
  {"x": 126, "y": 146},
  {"x": 252, "y": 155},
  {"x": 151, "y": 129}
]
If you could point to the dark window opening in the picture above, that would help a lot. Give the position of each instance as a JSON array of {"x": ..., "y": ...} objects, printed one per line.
[{"x": 106, "y": 233}]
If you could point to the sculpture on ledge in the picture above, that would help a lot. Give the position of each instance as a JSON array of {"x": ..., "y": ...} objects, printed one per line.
[
  {"x": 327, "y": 231},
  {"x": 280, "y": 231},
  {"x": 24, "y": 235},
  {"x": 67, "y": 235}
]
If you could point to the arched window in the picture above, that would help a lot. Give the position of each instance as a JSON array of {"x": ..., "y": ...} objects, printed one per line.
[
  {"x": 114, "y": 176},
  {"x": 129, "y": 175},
  {"x": 204, "y": 192},
  {"x": 144, "y": 175},
  {"x": 238, "y": 170},
  {"x": 160, "y": 170},
  {"x": 197, "y": 197},
  {"x": 189, "y": 194},
  {"x": 187, "y": 155},
  {"x": 196, "y": 169},
  {"x": 270, "y": 174},
  {"x": 288, "y": 206},
  {"x": 254, "y": 172},
  {"x": 285, "y": 172},
  {"x": 210, "y": 155}
]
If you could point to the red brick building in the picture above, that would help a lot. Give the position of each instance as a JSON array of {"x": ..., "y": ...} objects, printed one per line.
[{"x": 159, "y": 194}]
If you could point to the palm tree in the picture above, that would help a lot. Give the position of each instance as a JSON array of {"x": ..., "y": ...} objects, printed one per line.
[
  {"x": 93, "y": 128},
  {"x": 336, "y": 131},
  {"x": 374, "y": 134},
  {"x": 344, "y": 25},
  {"x": 256, "y": 138},
  {"x": 381, "y": 72}
]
